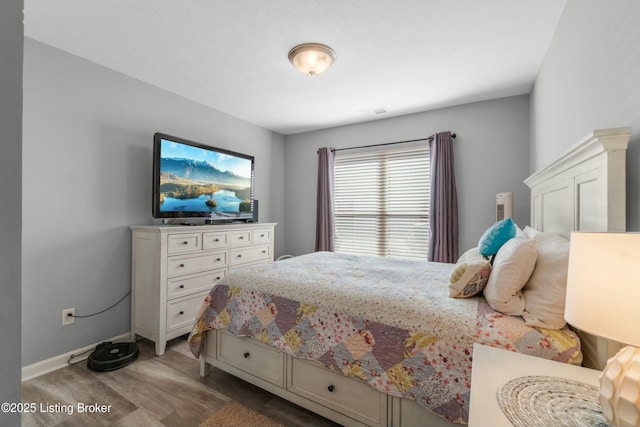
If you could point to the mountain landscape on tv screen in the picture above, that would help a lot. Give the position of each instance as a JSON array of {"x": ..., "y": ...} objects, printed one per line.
[{"x": 191, "y": 185}]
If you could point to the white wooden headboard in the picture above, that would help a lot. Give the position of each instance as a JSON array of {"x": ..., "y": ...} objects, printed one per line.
[{"x": 585, "y": 190}]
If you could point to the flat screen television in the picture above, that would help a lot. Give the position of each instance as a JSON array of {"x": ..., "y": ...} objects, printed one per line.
[{"x": 193, "y": 180}]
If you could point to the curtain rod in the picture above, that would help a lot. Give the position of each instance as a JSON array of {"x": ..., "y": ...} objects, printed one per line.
[{"x": 453, "y": 135}]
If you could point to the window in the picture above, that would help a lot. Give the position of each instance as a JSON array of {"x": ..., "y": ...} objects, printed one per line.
[{"x": 382, "y": 201}]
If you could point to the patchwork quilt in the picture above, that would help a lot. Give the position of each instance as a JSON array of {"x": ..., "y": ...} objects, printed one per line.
[{"x": 386, "y": 321}]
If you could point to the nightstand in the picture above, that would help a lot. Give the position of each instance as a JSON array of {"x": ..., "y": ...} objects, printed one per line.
[{"x": 493, "y": 367}]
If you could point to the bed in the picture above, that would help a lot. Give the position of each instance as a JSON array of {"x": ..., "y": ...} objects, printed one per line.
[{"x": 336, "y": 333}]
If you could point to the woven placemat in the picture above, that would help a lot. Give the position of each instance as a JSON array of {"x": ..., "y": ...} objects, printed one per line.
[{"x": 547, "y": 401}]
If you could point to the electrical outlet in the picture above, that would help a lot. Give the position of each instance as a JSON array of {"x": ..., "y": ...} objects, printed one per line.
[{"x": 67, "y": 316}]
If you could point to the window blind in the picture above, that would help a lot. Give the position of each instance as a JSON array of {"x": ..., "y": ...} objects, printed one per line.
[{"x": 382, "y": 201}]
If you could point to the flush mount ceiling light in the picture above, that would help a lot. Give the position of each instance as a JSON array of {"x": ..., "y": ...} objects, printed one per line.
[{"x": 312, "y": 58}]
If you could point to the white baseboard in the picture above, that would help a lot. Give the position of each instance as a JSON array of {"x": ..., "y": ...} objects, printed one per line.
[{"x": 57, "y": 362}]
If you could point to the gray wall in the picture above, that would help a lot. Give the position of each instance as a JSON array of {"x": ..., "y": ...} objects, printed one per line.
[
  {"x": 590, "y": 79},
  {"x": 87, "y": 177},
  {"x": 491, "y": 155},
  {"x": 11, "y": 42}
]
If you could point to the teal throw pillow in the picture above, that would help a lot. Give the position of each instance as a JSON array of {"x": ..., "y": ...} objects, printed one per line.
[{"x": 496, "y": 236}]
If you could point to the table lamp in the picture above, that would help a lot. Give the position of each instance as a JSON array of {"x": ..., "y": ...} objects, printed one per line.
[{"x": 603, "y": 298}]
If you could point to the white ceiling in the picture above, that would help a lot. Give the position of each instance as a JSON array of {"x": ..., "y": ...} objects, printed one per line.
[{"x": 403, "y": 56}]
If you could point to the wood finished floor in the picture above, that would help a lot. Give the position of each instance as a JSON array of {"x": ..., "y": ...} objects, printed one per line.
[{"x": 153, "y": 391}]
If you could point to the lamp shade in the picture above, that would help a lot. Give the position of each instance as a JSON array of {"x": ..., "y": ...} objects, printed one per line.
[
  {"x": 603, "y": 285},
  {"x": 312, "y": 58}
]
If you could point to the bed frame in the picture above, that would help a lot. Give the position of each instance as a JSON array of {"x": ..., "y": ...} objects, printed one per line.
[{"x": 583, "y": 190}]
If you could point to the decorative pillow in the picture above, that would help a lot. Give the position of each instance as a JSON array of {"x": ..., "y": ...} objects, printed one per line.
[
  {"x": 512, "y": 267},
  {"x": 544, "y": 294},
  {"x": 496, "y": 236},
  {"x": 470, "y": 275}
]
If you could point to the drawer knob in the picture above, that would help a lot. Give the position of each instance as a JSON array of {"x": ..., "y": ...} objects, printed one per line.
[
  {"x": 246, "y": 354},
  {"x": 181, "y": 266},
  {"x": 218, "y": 259},
  {"x": 185, "y": 243},
  {"x": 181, "y": 286},
  {"x": 239, "y": 256},
  {"x": 262, "y": 235},
  {"x": 264, "y": 252},
  {"x": 331, "y": 388},
  {"x": 241, "y": 237},
  {"x": 181, "y": 312},
  {"x": 216, "y": 240}
]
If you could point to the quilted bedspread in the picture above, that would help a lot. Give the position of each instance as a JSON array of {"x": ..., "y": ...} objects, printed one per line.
[{"x": 387, "y": 321}]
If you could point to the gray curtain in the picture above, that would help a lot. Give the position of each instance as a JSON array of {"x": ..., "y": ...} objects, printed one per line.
[
  {"x": 443, "y": 210},
  {"x": 325, "y": 216}
]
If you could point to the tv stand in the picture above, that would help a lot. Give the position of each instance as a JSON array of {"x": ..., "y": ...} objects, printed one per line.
[{"x": 174, "y": 267}]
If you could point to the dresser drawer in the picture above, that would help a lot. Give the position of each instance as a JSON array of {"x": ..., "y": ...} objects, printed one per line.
[
  {"x": 182, "y": 243},
  {"x": 215, "y": 240},
  {"x": 185, "y": 285},
  {"x": 182, "y": 312},
  {"x": 238, "y": 267},
  {"x": 252, "y": 357},
  {"x": 249, "y": 254},
  {"x": 240, "y": 238},
  {"x": 346, "y": 395},
  {"x": 179, "y": 265},
  {"x": 260, "y": 236}
]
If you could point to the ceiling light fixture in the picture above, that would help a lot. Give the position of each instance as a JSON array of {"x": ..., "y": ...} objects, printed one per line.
[{"x": 312, "y": 58}]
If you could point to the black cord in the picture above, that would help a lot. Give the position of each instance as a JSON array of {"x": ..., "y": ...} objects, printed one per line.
[
  {"x": 70, "y": 361},
  {"x": 100, "y": 312}
]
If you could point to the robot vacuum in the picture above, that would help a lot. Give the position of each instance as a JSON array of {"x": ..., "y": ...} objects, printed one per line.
[{"x": 109, "y": 356}]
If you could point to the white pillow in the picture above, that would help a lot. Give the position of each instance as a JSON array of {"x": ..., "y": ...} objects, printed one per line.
[
  {"x": 545, "y": 291},
  {"x": 470, "y": 275},
  {"x": 512, "y": 267},
  {"x": 530, "y": 232}
]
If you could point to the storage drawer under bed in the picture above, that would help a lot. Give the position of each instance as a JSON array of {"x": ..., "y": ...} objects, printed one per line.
[
  {"x": 252, "y": 357},
  {"x": 345, "y": 395}
]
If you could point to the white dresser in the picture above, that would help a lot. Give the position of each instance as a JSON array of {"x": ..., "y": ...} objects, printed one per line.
[{"x": 175, "y": 267}]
